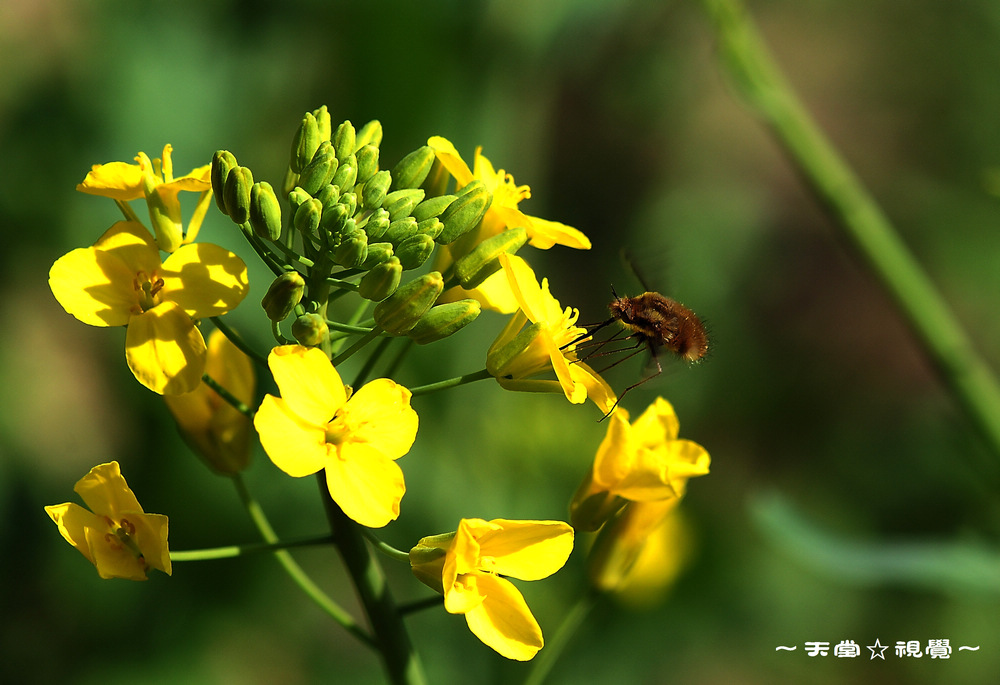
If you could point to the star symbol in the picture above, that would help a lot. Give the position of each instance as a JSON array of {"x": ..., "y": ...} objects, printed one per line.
[{"x": 878, "y": 650}]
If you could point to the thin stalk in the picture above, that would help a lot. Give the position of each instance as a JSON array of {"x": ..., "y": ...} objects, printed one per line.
[
  {"x": 451, "y": 382},
  {"x": 229, "y": 397},
  {"x": 546, "y": 659},
  {"x": 231, "y": 551},
  {"x": 235, "y": 339}
]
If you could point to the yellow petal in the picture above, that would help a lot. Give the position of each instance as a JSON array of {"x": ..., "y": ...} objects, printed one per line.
[
  {"x": 73, "y": 520},
  {"x": 295, "y": 446},
  {"x": 503, "y": 621},
  {"x": 657, "y": 424},
  {"x": 151, "y": 537},
  {"x": 308, "y": 382},
  {"x": 463, "y": 595},
  {"x": 524, "y": 286},
  {"x": 451, "y": 160},
  {"x": 94, "y": 287},
  {"x": 105, "y": 491},
  {"x": 529, "y": 550},
  {"x": 543, "y": 234},
  {"x": 117, "y": 180},
  {"x": 366, "y": 484},
  {"x": 204, "y": 279},
  {"x": 380, "y": 414},
  {"x": 165, "y": 350},
  {"x": 132, "y": 243}
]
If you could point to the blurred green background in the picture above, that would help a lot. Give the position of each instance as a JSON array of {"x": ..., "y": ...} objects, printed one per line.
[{"x": 832, "y": 441}]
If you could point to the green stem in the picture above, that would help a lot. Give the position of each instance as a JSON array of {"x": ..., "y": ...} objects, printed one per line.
[
  {"x": 385, "y": 548},
  {"x": 127, "y": 210},
  {"x": 554, "y": 647},
  {"x": 235, "y": 339},
  {"x": 451, "y": 382},
  {"x": 295, "y": 571},
  {"x": 365, "y": 339},
  {"x": 858, "y": 216},
  {"x": 228, "y": 396},
  {"x": 250, "y": 548},
  {"x": 262, "y": 250},
  {"x": 401, "y": 661}
]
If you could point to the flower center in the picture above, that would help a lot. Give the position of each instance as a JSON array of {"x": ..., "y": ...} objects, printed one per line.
[
  {"x": 122, "y": 536},
  {"x": 148, "y": 289}
]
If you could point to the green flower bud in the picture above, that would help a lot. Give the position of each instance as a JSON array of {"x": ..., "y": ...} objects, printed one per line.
[
  {"x": 377, "y": 224},
  {"x": 349, "y": 200},
  {"x": 296, "y": 197},
  {"x": 305, "y": 143},
  {"x": 399, "y": 231},
  {"x": 415, "y": 250},
  {"x": 319, "y": 172},
  {"x": 236, "y": 193},
  {"x": 329, "y": 195},
  {"x": 367, "y": 156},
  {"x": 347, "y": 173},
  {"x": 223, "y": 162},
  {"x": 285, "y": 292},
  {"x": 402, "y": 310},
  {"x": 265, "y": 212},
  {"x": 382, "y": 280},
  {"x": 307, "y": 217},
  {"x": 432, "y": 207},
  {"x": 484, "y": 260},
  {"x": 323, "y": 125},
  {"x": 443, "y": 320},
  {"x": 335, "y": 219},
  {"x": 411, "y": 170},
  {"x": 353, "y": 249},
  {"x": 400, "y": 203},
  {"x": 377, "y": 254},
  {"x": 375, "y": 189},
  {"x": 431, "y": 227},
  {"x": 370, "y": 134},
  {"x": 465, "y": 212},
  {"x": 310, "y": 329},
  {"x": 344, "y": 141}
]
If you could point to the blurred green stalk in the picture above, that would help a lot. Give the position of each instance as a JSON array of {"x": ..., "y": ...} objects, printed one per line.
[{"x": 858, "y": 216}]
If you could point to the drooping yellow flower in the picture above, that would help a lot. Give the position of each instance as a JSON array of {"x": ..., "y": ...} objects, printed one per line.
[
  {"x": 214, "y": 429},
  {"x": 120, "y": 281},
  {"x": 541, "y": 338},
  {"x": 502, "y": 214},
  {"x": 469, "y": 567},
  {"x": 115, "y": 535},
  {"x": 318, "y": 424},
  {"x": 154, "y": 181},
  {"x": 639, "y": 462}
]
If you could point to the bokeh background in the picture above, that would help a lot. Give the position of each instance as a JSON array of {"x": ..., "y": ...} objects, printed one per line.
[{"x": 848, "y": 499}]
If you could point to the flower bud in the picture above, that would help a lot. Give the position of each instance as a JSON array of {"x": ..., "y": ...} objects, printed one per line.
[
  {"x": 374, "y": 190},
  {"x": 412, "y": 169},
  {"x": 223, "y": 162},
  {"x": 349, "y": 200},
  {"x": 377, "y": 253},
  {"x": 430, "y": 227},
  {"x": 310, "y": 329},
  {"x": 399, "y": 231},
  {"x": 377, "y": 224},
  {"x": 323, "y": 125},
  {"x": 402, "y": 310},
  {"x": 465, "y": 212},
  {"x": 319, "y": 172},
  {"x": 347, "y": 174},
  {"x": 265, "y": 212},
  {"x": 236, "y": 193},
  {"x": 344, "y": 141},
  {"x": 353, "y": 249},
  {"x": 335, "y": 219},
  {"x": 305, "y": 143},
  {"x": 381, "y": 281},
  {"x": 367, "y": 156},
  {"x": 443, "y": 320},
  {"x": 484, "y": 260},
  {"x": 307, "y": 217},
  {"x": 285, "y": 292},
  {"x": 400, "y": 203},
  {"x": 432, "y": 207},
  {"x": 296, "y": 197},
  {"x": 329, "y": 195},
  {"x": 369, "y": 134},
  {"x": 415, "y": 250}
]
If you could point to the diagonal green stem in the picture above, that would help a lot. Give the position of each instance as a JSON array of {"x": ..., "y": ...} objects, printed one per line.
[
  {"x": 858, "y": 216},
  {"x": 546, "y": 659}
]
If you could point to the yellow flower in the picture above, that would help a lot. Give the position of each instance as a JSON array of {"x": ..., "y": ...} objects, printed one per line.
[
  {"x": 115, "y": 535},
  {"x": 469, "y": 567},
  {"x": 639, "y": 462},
  {"x": 154, "y": 180},
  {"x": 213, "y": 428},
  {"x": 120, "y": 281},
  {"x": 502, "y": 214},
  {"x": 541, "y": 337},
  {"x": 318, "y": 424}
]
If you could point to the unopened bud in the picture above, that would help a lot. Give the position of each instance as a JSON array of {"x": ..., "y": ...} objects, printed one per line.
[
  {"x": 319, "y": 172},
  {"x": 322, "y": 123},
  {"x": 375, "y": 189},
  {"x": 223, "y": 162},
  {"x": 415, "y": 250},
  {"x": 285, "y": 292},
  {"x": 237, "y": 194},
  {"x": 443, "y": 320},
  {"x": 344, "y": 141},
  {"x": 412, "y": 169},
  {"x": 310, "y": 329},
  {"x": 400, "y": 203},
  {"x": 432, "y": 207},
  {"x": 305, "y": 143},
  {"x": 334, "y": 219},
  {"x": 431, "y": 227},
  {"x": 381, "y": 281},
  {"x": 402, "y": 310},
  {"x": 484, "y": 260},
  {"x": 465, "y": 212},
  {"x": 347, "y": 173},
  {"x": 399, "y": 231},
  {"x": 307, "y": 217},
  {"x": 377, "y": 253},
  {"x": 265, "y": 212},
  {"x": 349, "y": 200},
  {"x": 353, "y": 249},
  {"x": 367, "y": 156},
  {"x": 377, "y": 224},
  {"x": 296, "y": 197},
  {"x": 369, "y": 134}
]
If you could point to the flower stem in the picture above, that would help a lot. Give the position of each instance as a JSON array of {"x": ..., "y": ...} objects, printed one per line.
[
  {"x": 365, "y": 339},
  {"x": 235, "y": 339},
  {"x": 859, "y": 218},
  {"x": 543, "y": 663},
  {"x": 228, "y": 396},
  {"x": 251, "y": 548},
  {"x": 401, "y": 661},
  {"x": 385, "y": 548},
  {"x": 451, "y": 382},
  {"x": 295, "y": 571}
]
